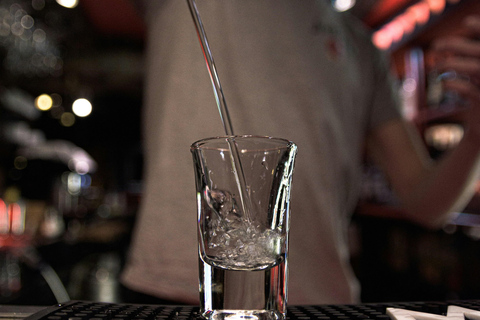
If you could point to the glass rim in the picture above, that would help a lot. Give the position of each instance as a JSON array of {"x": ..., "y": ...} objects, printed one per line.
[{"x": 282, "y": 143}]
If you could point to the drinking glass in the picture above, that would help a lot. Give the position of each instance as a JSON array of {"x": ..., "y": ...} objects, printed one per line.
[{"x": 243, "y": 188}]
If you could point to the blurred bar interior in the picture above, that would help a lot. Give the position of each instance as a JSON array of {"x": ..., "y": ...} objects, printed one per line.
[{"x": 71, "y": 158}]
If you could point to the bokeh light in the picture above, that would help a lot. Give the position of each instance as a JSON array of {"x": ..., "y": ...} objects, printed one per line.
[
  {"x": 444, "y": 136},
  {"x": 67, "y": 119},
  {"x": 27, "y": 47},
  {"x": 27, "y": 22},
  {"x": 382, "y": 39},
  {"x": 20, "y": 162},
  {"x": 57, "y": 99},
  {"x": 68, "y": 3},
  {"x": 437, "y": 6},
  {"x": 38, "y": 4},
  {"x": 74, "y": 183},
  {"x": 418, "y": 14},
  {"x": 82, "y": 107},
  {"x": 343, "y": 5},
  {"x": 56, "y": 112},
  {"x": 43, "y": 102}
]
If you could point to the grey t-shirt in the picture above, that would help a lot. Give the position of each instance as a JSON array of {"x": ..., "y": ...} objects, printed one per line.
[{"x": 290, "y": 69}]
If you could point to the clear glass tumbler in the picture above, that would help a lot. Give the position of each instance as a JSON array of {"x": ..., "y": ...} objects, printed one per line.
[{"x": 243, "y": 188}]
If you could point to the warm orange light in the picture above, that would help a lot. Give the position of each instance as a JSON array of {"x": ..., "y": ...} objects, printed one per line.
[
  {"x": 416, "y": 15},
  {"x": 437, "y": 6},
  {"x": 43, "y": 102},
  {"x": 396, "y": 30},
  {"x": 408, "y": 24},
  {"x": 420, "y": 12},
  {"x": 382, "y": 39},
  {"x": 444, "y": 136}
]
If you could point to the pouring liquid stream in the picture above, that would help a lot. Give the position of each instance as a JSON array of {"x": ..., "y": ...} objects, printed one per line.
[{"x": 224, "y": 114}]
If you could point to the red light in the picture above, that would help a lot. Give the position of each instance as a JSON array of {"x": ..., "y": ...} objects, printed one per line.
[
  {"x": 16, "y": 219},
  {"x": 436, "y": 6},
  {"x": 4, "y": 222},
  {"x": 420, "y": 12},
  {"x": 382, "y": 39},
  {"x": 396, "y": 30},
  {"x": 408, "y": 24}
]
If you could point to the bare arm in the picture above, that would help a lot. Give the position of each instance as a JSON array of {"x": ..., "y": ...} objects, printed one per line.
[{"x": 430, "y": 190}]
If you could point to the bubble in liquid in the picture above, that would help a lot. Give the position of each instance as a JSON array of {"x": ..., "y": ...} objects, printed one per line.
[
  {"x": 235, "y": 241},
  {"x": 223, "y": 203}
]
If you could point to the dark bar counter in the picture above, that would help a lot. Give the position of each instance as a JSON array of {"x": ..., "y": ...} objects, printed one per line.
[{"x": 90, "y": 310}]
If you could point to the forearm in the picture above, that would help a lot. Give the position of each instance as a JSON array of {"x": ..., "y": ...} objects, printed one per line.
[{"x": 447, "y": 185}]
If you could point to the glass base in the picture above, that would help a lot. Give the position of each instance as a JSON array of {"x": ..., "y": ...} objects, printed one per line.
[{"x": 244, "y": 315}]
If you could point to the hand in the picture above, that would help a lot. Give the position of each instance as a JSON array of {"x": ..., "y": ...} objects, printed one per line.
[{"x": 461, "y": 54}]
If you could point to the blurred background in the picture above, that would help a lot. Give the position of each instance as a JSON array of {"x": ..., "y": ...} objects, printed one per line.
[{"x": 71, "y": 89}]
